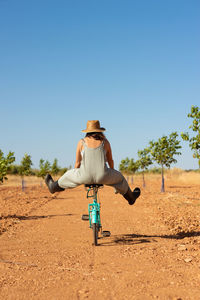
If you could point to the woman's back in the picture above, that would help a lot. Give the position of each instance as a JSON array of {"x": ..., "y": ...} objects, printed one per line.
[
  {"x": 92, "y": 143},
  {"x": 93, "y": 162}
]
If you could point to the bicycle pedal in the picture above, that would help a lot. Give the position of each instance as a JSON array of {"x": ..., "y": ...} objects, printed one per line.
[
  {"x": 85, "y": 217},
  {"x": 106, "y": 233}
]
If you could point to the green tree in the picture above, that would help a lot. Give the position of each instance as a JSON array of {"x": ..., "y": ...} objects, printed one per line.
[
  {"x": 13, "y": 169},
  {"x": 123, "y": 167},
  {"x": 54, "y": 168},
  {"x": 133, "y": 166},
  {"x": 45, "y": 167},
  {"x": 5, "y": 162},
  {"x": 128, "y": 166},
  {"x": 25, "y": 168},
  {"x": 163, "y": 152},
  {"x": 194, "y": 141},
  {"x": 144, "y": 161}
]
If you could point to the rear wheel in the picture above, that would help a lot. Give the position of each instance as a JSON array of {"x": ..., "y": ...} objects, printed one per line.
[{"x": 95, "y": 233}]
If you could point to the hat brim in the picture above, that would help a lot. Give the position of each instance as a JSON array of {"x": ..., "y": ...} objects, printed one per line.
[{"x": 94, "y": 130}]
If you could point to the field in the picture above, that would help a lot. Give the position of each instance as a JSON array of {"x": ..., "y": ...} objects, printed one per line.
[{"x": 153, "y": 251}]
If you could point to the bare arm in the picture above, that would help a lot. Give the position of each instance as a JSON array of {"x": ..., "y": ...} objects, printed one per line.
[
  {"x": 109, "y": 154},
  {"x": 78, "y": 155}
]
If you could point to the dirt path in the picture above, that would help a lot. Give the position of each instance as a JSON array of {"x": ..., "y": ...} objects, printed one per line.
[{"x": 153, "y": 252}]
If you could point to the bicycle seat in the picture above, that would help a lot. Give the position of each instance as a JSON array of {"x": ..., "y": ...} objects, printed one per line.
[{"x": 91, "y": 185}]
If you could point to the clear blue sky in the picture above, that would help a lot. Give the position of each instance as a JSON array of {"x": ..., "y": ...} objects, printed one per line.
[{"x": 134, "y": 65}]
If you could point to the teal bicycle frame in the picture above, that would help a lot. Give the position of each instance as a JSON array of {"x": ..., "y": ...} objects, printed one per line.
[
  {"x": 94, "y": 208},
  {"x": 94, "y": 212}
]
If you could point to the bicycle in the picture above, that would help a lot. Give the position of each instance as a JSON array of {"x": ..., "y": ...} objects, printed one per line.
[{"x": 94, "y": 212}]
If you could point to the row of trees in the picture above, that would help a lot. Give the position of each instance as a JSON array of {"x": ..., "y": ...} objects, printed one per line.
[
  {"x": 25, "y": 167},
  {"x": 164, "y": 149},
  {"x": 161, "y": 151}
]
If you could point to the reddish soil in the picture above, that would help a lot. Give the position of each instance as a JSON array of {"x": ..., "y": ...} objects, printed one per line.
[{"x": 153, "y": 251}]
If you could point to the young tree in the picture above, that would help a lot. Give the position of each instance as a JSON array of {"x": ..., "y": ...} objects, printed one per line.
[
  {"x": 163, "y": 152},
  {"x": 133, "y": 166},
  {"x": 5, "y": 162},
  {"x": 194, "y": 142},
  {"x": 54, "y": 168},
  {"x": 123, "y": 167},
  {"x": 128, "y": 166},
  {"x": 45, "y": 168},
  {"x": 25, "y": 168},
  {"x": 144, "y": 161}
]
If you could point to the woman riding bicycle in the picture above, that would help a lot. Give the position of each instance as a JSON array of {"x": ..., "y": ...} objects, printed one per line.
[{"x": 92, "y": 155}]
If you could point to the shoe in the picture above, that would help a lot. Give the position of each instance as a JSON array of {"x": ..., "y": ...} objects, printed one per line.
[
  {"x": 132, "y": 196},
  {"x": 52, "y": 185}
]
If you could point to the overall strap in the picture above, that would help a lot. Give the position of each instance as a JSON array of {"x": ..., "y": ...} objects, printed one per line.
[{"x": 83, "y": 144}]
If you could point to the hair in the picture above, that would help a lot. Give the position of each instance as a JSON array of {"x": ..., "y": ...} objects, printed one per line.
[{"x": 96, "y": 135}]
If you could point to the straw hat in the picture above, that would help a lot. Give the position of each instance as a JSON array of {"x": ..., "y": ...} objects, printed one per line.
[{"x": 93, "y": 126}]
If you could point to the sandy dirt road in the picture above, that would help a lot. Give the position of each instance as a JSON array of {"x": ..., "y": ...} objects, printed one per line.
[{"x": 153, "y": 251}]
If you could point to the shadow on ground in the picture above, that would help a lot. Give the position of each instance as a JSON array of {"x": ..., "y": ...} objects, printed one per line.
[
  {"x": 33, "y": 217},
  {"x": 132, "y": 239},
  {"x": 181, "y": 187}
]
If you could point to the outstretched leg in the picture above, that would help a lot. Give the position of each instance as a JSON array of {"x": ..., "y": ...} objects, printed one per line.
[
  {"x": 52, "y": 185},
  {"x": 118, "y": 181}
]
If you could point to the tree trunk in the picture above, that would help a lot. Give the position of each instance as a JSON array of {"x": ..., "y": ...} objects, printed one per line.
[
  {"x": 23, "y": 184},
  {"x": 131, "y": 179},
  {"x": 144, "y": 184},
  {"x": 127, "y": 178},
  {"x": 163, "y": 181}
]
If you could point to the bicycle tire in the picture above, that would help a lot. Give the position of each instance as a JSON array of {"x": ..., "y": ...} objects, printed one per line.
[{"x": 95, "y": 233}]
